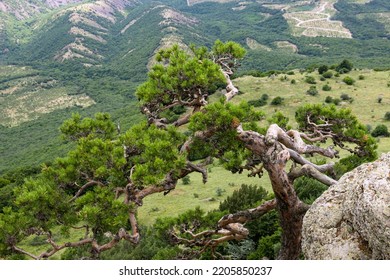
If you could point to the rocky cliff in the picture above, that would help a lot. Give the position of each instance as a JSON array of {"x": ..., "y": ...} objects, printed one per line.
[{"x": 351, "y": 220}]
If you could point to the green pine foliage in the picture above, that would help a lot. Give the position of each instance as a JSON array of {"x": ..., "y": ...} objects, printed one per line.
[
  {"x": 247, "y": 196},
  {"x": 343, "y": 123}
]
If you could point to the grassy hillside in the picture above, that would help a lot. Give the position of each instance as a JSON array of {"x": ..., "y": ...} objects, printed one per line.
[
  {"x": 365, "y": 93},
  {"x": 369, "y": 86}
]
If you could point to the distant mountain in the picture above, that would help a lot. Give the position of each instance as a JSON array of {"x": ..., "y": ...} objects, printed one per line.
[{"x": 95, "y": 32}]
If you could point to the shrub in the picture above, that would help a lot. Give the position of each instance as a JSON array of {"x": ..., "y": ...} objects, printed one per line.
[
  {"x": 387, "y": 116},
  {"x": 308, "y": 189},
  {"x": 279, "y": 119},
  {"x": 293, "y": 82},
  {"x": 327, "y": 74},
  {"x": 268, "y": 247},
  {"x": 326, "y": 87},
  {"x": 265, "y": 97},
  {"x": 245, "y": 197},
  {"x": 283, "y": 78},
  {"x": 219, "y": 191},
  {"x": 257, "y": 103},
  {"x": 322, "y": 69},
  {"x": 329, "y": 99},
  {"x": 361, "y": 77},
  {"x": 380, "y": 130},
  {"x": 310, "y": 80},
  {"x": 345, "y": 97},
  {"x": 344, "y": 67},
  {"x": 260, "y": 102},
  {"x": 336, "y": 101},
  {"x": 379, "y": 99},
  {"x": 186, "y": 180},
  {"x": 348, "y": 80},
  {"x": 312, "y": 91},
  {"x": 277, "y": 101}
]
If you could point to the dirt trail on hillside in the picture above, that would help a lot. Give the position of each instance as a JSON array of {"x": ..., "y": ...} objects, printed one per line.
[{"x": 310, "y": 24}]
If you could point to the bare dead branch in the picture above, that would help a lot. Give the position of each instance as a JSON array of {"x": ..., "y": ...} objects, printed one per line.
[
  {"x": 83, "y": 188},
  {"x": 231, "y": 89},
  {"x": 294, "y": 141},
  {"x": 19, "y": 250},
  {"x": 247, "y": 215},
  {"x": 296, "y": 157},
  {"x": 311, "y": 171}
]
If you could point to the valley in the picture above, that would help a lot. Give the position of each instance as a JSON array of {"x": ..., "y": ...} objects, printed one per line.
[{"x": 63, "y": 57}]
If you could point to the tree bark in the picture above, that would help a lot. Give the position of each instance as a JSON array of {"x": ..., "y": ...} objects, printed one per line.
[{"x": 291, "y": 210}]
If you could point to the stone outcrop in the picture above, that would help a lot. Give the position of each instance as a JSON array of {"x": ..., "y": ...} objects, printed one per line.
[{"x": 351, "y": 220}]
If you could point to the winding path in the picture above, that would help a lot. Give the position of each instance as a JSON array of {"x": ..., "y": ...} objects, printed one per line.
[{"x": 320, "y": 10}]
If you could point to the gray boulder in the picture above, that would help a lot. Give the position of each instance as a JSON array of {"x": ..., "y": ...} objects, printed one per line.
[{"x": 351, "y": 220}]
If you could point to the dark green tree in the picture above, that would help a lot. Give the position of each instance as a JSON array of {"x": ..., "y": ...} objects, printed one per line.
[
  {"x": 322, "y": 69},
  {"x": 380, "y": 130},
  {"x": 344, "y": 67}
]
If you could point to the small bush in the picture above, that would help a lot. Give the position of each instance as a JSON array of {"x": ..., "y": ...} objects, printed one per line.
[
  {"x": 345, "y": 97},
  {"x": 312, "y": 91},
  {"x": 283, "y": 78},
  {"x": 387, "y": 116},
  {"x": 265, "y": 97},
  {"x": 361, "y": 77},
  {"x": 327, "y": 74},
  {"x": 381, "y": 130},
  {"x": 219, "y": 191},
  {"x": 348, "y": 80},
  {"x": 322, "y": 69},
  {"x": 186, "y": 180},
  {"x": 279, "y": 119},
  {"x": 329, "y": 99},
  {"x": 308, "y": 189},
  {"x": 310, "y": 80},
  {"x": 326, "y": 87},
  {"x": 293, "y": 82},
  {"x": 336, "y": 101},
  {"x": 277, "y": 101},
  {"x": 344, "y": 67},
  {"x": 247, "y": 196},
  {"x": 257, "y": 103}
]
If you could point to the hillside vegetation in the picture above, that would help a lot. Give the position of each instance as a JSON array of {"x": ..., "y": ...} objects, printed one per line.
[
  {"x": 364, "y": 96},
  {"x": 64, "y": 57}
]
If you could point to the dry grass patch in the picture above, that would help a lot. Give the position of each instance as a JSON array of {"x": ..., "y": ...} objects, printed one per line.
[
  {"x": 254, "y": 45},
  {"x": 23, "y": 107},
  {"x": 286, "y": 45}
]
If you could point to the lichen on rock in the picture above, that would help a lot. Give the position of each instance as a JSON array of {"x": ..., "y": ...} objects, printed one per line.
[{"x": 351, "y": 220}]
